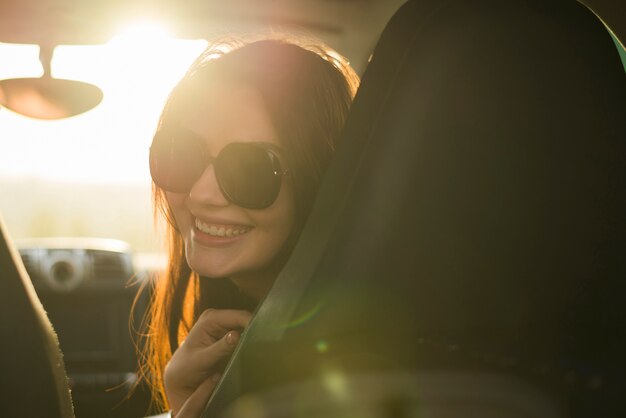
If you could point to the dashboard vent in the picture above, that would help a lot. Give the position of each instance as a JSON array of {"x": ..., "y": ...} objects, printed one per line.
[{"x": 108, "y": 265}]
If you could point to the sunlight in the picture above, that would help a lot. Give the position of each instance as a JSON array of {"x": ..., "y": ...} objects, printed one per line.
[
  {"x": 109, "y": 144},
  {"x": 144, "y": 32},
  {"x": 19, "y": 61}
]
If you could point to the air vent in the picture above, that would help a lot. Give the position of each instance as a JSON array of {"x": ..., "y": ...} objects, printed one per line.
[{"x": 108, "y": 265}]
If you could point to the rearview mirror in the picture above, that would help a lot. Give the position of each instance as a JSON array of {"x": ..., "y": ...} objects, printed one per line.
[{"x": 47, "y": 97}]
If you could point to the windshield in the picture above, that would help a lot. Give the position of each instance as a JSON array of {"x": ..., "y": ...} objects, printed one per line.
[{"x": 83, "y": 176}]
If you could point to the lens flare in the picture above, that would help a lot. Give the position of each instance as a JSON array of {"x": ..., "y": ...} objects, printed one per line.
[
  {"x": 304, "y": 318},
  {"x": 322, "y": 346}
]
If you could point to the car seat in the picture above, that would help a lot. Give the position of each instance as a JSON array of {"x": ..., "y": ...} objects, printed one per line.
[
  {"x": 467, "y": 245},
  {"x": 33, "y": 382}
]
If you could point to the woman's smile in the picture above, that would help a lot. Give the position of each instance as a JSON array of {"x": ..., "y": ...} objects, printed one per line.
[
  {"x": 219, "y": 229},
  {"x": 218, "y": 233}
]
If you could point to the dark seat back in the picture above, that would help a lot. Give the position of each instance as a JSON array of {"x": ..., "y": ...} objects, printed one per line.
[
  {"x": 474, "y": 217},
  {"x": 33, "y": 381}
]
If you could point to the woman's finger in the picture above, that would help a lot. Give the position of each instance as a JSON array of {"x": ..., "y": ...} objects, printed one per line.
[
  {"x": 195, "y": 404},
  {"x": 184, "y": 375},
  {"x": 210, "y": 358},
  {"x": 206, "y": 350},
  {"x": 213, "y": 324},
  {"x": 201, "y": 363}
]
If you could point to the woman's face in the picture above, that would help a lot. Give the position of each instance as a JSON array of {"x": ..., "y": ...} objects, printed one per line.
[{"x": 205, "y": 218}]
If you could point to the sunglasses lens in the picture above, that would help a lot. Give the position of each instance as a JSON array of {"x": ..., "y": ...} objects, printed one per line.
[
  {"x": 248, "y": 175},
  {"x": 176, "y": 162}
]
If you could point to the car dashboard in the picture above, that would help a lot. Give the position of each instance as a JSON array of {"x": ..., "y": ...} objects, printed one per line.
[{"x": 88, "y": 287}]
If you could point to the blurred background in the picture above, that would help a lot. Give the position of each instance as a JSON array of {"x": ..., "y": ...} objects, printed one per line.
[{"x": 87, "y": 175}]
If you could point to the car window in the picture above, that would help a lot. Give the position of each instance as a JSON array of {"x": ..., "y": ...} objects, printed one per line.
[{"x": 83, "y": 176}]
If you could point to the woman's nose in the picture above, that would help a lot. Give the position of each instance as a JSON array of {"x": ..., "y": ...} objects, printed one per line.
[{"x": 206, "y": 190}]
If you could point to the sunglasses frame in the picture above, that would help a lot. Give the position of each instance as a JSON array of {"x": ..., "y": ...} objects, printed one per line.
[{"x": 272, "y": 152}]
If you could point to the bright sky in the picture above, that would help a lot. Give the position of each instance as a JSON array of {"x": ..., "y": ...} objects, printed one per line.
[{"x": 108, "y": 144}]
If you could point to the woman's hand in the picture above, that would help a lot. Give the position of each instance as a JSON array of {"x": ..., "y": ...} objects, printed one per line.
[{"x": 195, "y": 368}]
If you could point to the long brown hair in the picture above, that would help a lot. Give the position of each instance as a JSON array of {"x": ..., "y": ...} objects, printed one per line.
[{"x": 308, "y": 89}]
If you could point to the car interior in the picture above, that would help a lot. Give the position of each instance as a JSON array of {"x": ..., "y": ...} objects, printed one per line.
[{"x": 465, "y": 254}]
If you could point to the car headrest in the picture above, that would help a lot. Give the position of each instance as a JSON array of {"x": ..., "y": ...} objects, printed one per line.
[
  {"x": 473, "y": 218},
  {"x": 32, "y": 373}
]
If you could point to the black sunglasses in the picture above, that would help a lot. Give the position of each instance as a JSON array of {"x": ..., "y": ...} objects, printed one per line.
[{"x": 249, "y": 174}]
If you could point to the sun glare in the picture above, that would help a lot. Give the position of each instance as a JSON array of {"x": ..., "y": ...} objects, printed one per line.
[
  {"x": 145, "y": 32},
  {"x": 109, "y": 144}
]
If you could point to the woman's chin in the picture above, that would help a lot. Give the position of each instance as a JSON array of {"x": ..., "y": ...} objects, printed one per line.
[{"x": 211, "y": 271}]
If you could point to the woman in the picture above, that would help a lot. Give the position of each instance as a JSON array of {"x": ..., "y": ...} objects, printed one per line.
[{"x": 237, "y": 159}]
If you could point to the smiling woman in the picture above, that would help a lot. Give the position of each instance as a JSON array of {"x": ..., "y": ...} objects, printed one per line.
[
  {"x": 234, "y": 116},
  {"x": 240, "y": 150}
]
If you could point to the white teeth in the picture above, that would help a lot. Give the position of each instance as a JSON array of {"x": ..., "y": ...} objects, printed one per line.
[{"x": 220, "y": 230}]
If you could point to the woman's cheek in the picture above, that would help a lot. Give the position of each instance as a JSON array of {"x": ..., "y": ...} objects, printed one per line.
[{"x": 181, "y": 214}]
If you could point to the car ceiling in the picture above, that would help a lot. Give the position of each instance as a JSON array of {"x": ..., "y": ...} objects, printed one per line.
[{"x": 350, "y": 26}]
